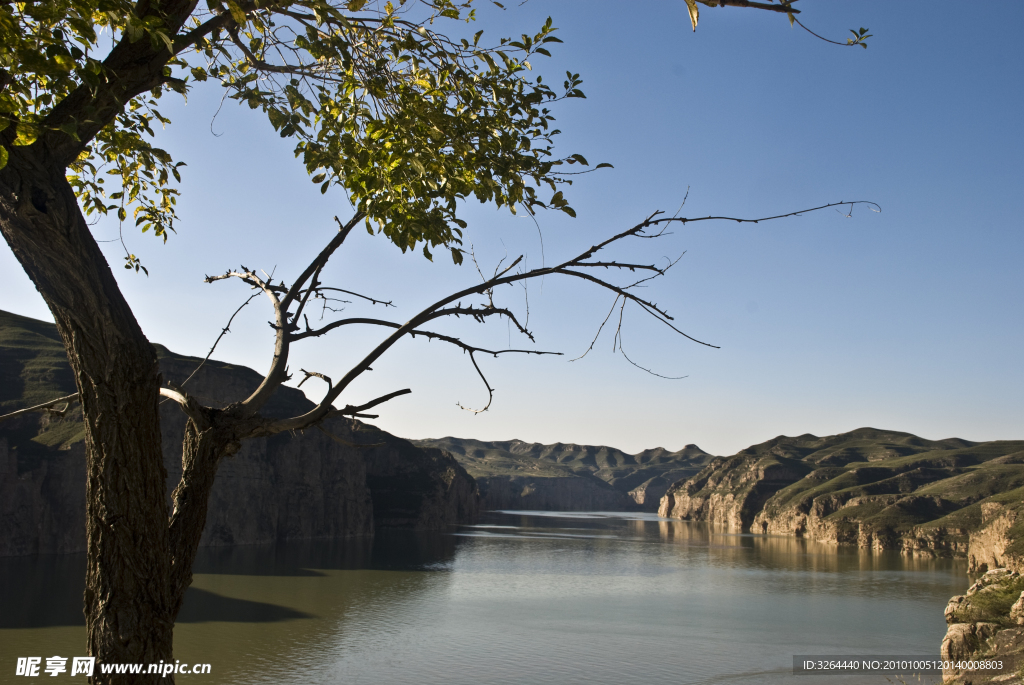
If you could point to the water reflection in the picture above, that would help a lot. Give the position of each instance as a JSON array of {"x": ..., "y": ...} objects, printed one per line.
[{"x": 522, "y": 597}]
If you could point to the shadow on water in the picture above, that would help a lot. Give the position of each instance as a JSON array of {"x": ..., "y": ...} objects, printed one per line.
[
  {"x": 202, "y": 606},
  {"x": 42, "y": 591},
  {"x": 46, "y": 591},
  {"x": 388, "y": 550}
]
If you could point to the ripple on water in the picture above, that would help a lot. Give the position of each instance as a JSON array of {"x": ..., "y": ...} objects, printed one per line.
[{"x": 524, "y": 597}]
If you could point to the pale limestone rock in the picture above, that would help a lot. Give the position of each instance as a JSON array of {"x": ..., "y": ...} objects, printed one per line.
[
  {"x": 1017, "y": 611},
  {"x": 964, "y": 641},
  {"x": 987, "y": 547},
  {"x": 955, "y": 604}
]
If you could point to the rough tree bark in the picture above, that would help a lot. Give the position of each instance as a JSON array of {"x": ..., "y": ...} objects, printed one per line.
[
  {"x": 127, "y": 598},
  {"x": 129, "y": 602}
]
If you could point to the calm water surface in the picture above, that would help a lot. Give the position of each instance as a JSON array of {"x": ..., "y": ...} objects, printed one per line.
[{"x": 521, "y": 598}]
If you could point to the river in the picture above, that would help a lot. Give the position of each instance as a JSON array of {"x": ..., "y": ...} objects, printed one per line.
[{"x": 522, "y": 598}]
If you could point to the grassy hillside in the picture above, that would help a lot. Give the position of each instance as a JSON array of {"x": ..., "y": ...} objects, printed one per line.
[
  {"x": 34, "y": 369},
  {"x": 889, "y": 481},
  {"x": 621, "y": 470}
]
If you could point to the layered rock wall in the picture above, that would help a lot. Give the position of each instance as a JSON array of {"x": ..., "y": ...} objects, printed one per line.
[
  {"x": 988, "y": 548},
  {"x": 341, "y": 481},
  {"x": 42, "y": 510},
  {"x": 729, "y": 492}
]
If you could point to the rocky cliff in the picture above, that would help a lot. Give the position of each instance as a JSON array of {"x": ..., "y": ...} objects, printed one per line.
[
  {"x": 987, "y": 625},
  {"x": 872, "y": 488},
  {"x": 513, "y": 474},
  {"x": 343, "y": 480},
  {"x": 731, "y": 491}
]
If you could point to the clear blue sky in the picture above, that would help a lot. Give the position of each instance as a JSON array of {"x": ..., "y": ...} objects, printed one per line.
[{"x": 912, "y": 319}]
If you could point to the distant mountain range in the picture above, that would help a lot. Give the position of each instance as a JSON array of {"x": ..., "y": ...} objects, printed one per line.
[{"x": 513, "y": 474}]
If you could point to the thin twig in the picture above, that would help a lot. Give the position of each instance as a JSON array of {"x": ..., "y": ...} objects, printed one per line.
[
  {"x": 45, "y": 406},
  {"x": 224, "y": 331}
]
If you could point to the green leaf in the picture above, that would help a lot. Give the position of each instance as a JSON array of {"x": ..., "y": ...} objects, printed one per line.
[
  {"x": 3, "y": 156},
  {"x": 71, "y": 128},
  {"x": 691, "y": 5},
  {"x": 603, "y": 165},
  {"x": 236, "y": 13},
  {"x": 27, "y": 133}
]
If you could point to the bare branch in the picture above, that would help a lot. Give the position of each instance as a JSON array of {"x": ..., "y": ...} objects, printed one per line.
[
  {"x": 873, "y": 205},
  {"x": 619, "y": 265},
  {"x": 278, "y": 372},
  {"x": 622, "y": 350},
  {"x": 371, "y": 300},
  {"x": 44, "y": 407},
  {"x": 356, "y": 411},
  {"x": 599, "y": 329},
  {"x": 316, "y": 374},
  {"x": 441, "y": 308},
  {"x": 175, "y": 394},
  {"x": 224, "y": 331},
  {"x": 784, "y": 8},
  {"x": 490, "y": 390}
]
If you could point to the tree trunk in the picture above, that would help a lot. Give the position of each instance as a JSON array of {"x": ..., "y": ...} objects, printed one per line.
[
  {"x": 201, "y": 452},
  {"x": 128, "y": 603}
]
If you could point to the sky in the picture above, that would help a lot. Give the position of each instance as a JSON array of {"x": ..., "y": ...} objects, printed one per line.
[{"x": 910, "y": 319}]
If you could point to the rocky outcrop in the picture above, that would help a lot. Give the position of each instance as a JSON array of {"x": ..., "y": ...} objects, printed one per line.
[
  {"x": 649, "y": 493},
  {"x": 730, "y": 492},
  {"x": 569, "y": 493},
  {"x": 985, "y": 625},
  {"x": 344, "y": 480},
  {"x": 990, "y": 546}
]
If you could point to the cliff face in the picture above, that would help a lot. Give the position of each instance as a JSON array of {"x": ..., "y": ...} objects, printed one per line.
[
  {"x": 420, "y": 489},
  {"x": 871, "y": 488},
  {"x": 987, "y": 624},
  {"x": 730, "y": 491},
  {"x": 341, "y": 481},
  {"x": 997, "y": 543},
  {"x": 42, "y": 510}
]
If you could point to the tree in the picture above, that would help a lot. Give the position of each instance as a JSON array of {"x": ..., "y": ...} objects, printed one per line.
[{"x": 405, "y": 118}]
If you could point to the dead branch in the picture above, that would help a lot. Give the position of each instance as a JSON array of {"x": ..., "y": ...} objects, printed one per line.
[
  {"x": 45, "y": 407},
  {"x": 224, "y": 331},
  {"x": 287, "y": 328},
  {"x": 356, "y": 411}
]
